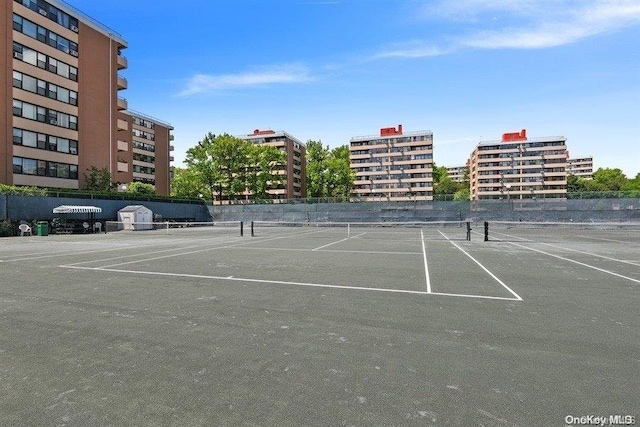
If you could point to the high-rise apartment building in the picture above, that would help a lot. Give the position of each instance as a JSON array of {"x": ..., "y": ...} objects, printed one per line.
[
  {"x": 518, "y": 167},
  {"x": 60, "y": 111},
  {"x": 294, "y": 182},
  {"x": 393, "y": 165},
  {"x": 142, "y": 154},
  {"x": 582, "y": 167},
  {"x": 457, "y": 173}
]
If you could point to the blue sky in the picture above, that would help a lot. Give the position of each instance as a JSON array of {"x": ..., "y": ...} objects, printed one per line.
[{"x": 329, "y": 70}]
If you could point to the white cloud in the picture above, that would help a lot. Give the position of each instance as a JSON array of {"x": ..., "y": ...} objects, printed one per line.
[
  {"x": 517, "y": 24},
  {"x": 471, "y": 9},
  {"x": 410, "y": 50},
  {"x": 561, "y": 27},
  {"x": 204, "y": 83}
]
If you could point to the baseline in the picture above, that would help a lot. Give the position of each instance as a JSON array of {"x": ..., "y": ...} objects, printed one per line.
[{"x": 239, "y": 279}]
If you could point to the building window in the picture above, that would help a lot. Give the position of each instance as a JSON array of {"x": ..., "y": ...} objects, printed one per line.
[
  {"x": 41, "y": 60},
  {"x": 44, "y": 35},
  {"x": 24, "y": 166}
]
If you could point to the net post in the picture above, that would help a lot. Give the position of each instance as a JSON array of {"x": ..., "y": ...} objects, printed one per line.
[
  {"x": 468, "y": 231},
  {"x": 486, "y": 231},
  {"x": 241, "y": 229},
  {"x": 252, "y": 233},
  {"x": 348, "y": 230}
]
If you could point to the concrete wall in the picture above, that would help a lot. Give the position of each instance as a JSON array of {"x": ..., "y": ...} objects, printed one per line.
[
  {"x": 15, "y": 207},
  {"x": 542, "y": 210},
  {"x": 28, "y": 208}
]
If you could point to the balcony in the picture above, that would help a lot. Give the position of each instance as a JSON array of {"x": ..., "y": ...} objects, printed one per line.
[
  {"x": 171, "y": 158},
  {"x": 122, "y": 62},
  {"x": 123, "y": 125},
  {"x": 122, "y": 83},
  {"x": 123, "y": 166},
  {"x": 122, "y": 104},
  {"x": 123, "y": 146},
  {"x": 170, "y": 137},
  {"x": 171, "y": 148}
]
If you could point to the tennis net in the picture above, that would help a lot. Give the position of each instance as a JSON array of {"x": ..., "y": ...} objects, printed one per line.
[
  {"x": 559, "y": 231},
  {"x": 440, "y": 230},
  {"x": 183, "y": 228}
]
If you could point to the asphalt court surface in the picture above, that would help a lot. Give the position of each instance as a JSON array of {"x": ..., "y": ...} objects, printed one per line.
[{"x": 319, "y": 327}]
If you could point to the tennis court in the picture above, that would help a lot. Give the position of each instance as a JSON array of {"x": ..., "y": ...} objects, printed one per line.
[{"x": 306, "y": 324}]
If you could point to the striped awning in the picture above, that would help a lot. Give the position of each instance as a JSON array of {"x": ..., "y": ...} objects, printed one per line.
[{"x": 65, "y": 209}]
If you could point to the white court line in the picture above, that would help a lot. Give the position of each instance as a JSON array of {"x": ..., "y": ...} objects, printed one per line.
[
  {"x": 343, "y": 251},
  {"x": 237, "y": 279},
  {"x": 573, "y": 250},
  {"x": 230, "y": 245},
  {"x": 73, "y": 253},
  {"x": 475, "y": 296},
  {"x": 483, "y": 267},
  {"x": 125, "y": 246},
  {"x": 129, "y": 256},
  {"x": 576, "y": 262},
  {"x": 329, "y": 244},
  {"x": 426, "y": 266},
  {"x": 280, "y": 282}
]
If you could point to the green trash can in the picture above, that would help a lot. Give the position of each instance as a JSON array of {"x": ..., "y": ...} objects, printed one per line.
[{"x": 42, "y": 228}]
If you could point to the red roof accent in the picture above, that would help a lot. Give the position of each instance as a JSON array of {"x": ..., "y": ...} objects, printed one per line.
[{"x": 515, "y": 136}]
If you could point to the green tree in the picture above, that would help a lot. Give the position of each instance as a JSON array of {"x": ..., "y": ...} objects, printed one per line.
[
  {"x": 633, "y": 184},
  {"x": 265, "y": 162},
  {"x": 317, "y": 173},
  {"x": 575, "y": 184},
  {"x": 610, "y": 179},
  {"x": 186, "y": 184},
  {"x": 204, "y": 171},
  {"x": 446, "y": 185},
  {"x": 224, "y": 167},
  {"x": 462, "y": 194},
  {"x": 340, "y": 176},
  {"x": 97, "y": 179},
  {"x": 232, "y": 156},
  {"x": 438, "y": 173},
  {"x": 329, "y": 172},
  {"x": 141, "y": 188}
]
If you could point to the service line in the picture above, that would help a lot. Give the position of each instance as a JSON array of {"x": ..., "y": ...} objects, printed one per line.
[
  {"x": 483, "y": 267},
  {"x": 426, "y": 266}
]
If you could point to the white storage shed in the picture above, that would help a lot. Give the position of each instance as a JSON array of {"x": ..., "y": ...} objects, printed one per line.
[{"x": 135, "y": 217}]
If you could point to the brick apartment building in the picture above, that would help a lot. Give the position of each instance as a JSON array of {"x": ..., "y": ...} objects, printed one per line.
[
  {"x": 294, "y": 184},
  {"x": 62, "y": 112},
  {"x": 393, "y": 165},
  {"x": 518, "y": 167}
]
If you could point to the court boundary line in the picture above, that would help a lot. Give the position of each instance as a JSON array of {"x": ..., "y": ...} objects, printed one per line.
[
  {"x": 240, "y": 279},
  {"x": 281, "y": 282},
  {"x": 483, "y": 267},
  {"x": 576, "y": 262}
]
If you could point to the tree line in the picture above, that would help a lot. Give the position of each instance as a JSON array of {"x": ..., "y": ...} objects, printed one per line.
[{"x": 604, "y": 180}]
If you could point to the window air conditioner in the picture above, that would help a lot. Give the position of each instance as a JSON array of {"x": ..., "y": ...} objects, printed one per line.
[
  {"x": 74, "y": 28},
  {"x": 17, "y": 55},
  {"x": 53, "y": 122},
  {"x": 42, "y": 12},
  {"x": 74, "y": 52}
]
